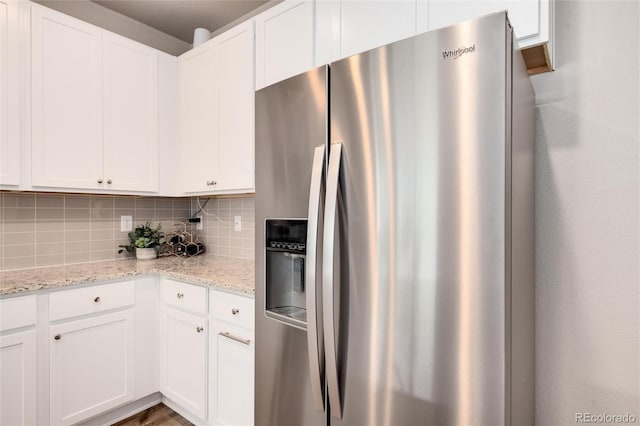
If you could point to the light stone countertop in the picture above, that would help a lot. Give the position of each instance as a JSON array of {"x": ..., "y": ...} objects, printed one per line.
[{"x": 225, "y": 273}]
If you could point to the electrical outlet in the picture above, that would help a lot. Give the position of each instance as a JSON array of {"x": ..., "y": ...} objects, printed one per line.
[
  {"x": 199, "y": 225},
  {"x": 126, "y": 223},
  {"x": 237, "y": 223}
]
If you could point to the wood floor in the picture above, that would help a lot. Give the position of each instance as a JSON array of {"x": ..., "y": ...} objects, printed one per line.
[{"x": 157, "y": 415}]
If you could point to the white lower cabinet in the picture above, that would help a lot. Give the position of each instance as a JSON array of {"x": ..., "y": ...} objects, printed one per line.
[
  {"x": 183, "y": 360},
  {"x": 232, "y": 354},
  {"x": 91, "y": 366},
  {"x": 231, "y": 363},
  {"x": 18, "y": 378}
]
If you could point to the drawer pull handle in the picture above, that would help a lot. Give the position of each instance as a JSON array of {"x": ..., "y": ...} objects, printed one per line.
[
  {"x": 57, "y": 336},
  {"x": 97, "y": 299},
  {"x": 179, "y": 295},
  {"x": 199, "y": 329},
  {"x": 237, "y": 339},
  {"x": 235, "y": 311}
]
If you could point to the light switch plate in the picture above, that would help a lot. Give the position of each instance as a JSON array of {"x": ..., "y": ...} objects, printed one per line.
[
  {"x": 237, "y": 223},
  {"x": 126, "y": 223},
  {"x": 200, "y": 225}
]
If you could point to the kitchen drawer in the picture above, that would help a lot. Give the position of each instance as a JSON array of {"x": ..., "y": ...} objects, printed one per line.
[
  {"x": 17, "y": 312},
  {"x": 231, "y": 308},
  {"x": 89, "y": 300},
  {"x": 184, "y": 296}
]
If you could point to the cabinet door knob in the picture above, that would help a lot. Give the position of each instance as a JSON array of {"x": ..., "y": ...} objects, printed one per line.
[
  {"x": 97, "y": 299},
  {"x": 199, "y": 329},
  {"x": 235, "y": 311},
  {"x": 179, "y": 295},
  {"x": 57, "y": 336},
  {"x": 109, "y": 181},
  {"x": 208, "y": 183},
  {"x": 99, "y": 180}
]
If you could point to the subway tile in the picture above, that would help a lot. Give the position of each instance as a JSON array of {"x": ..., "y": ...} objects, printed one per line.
[
  {"x": 249, "y": 203},
  {"x": 145, "y": 203},
  {"x": 103, "y": 224},
  {"x": 76, "y": 246},
  {"x": 103, "y": 255},
  {"x": 76, "y": 225},
  {"x": 79, "y": 257},
  {"x": 49, "y": 225},
  {"x": 182, "y": 203},
  {"x": 75, "y": 214},
  {"x": 11, "y": 238},
  {"x": 19, "y": 250},
  {"x": 223, "y": 251},
  {"x": 163, "y": 203},
  {"x": 101, "y": 234},
  {"x": 50, "y": 237},
  {"x": 56, "y": 259},
  {"x": 77, "y": 202},
  {"x": 18, "y": 200},
  {"x": 49, "y": 249},
  {"x": 50, "y": 201},
  {"x": 49, "y": 214},
  {"x": 224, "y": 203},
  {"x": 102, "y": 203},
  {"x": 248, "y": 214},
  {"x": 235, "y": 203},
  {"x": 19, "y": 213},
  {"x": 161, "y": 214},
  {"x": 101, "y": 213},
  {"x": 123, "y": 212},
  {"x": 248, "y": 253},
  {"x": 98, "y": 245},
  {"x": 235, "y": 252},
  {"x": 80, "y": 235},
  {"x": 235, "y": 242},
  {"x": 19, "y": 226},
  {"x": 124, "y": 203},
  {"x": 19, "y": 263},
  {"x": 144, "y": 213}
]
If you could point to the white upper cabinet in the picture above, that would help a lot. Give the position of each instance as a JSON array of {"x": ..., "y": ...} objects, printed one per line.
[
  {"x": 347, "y": 27},
  {"x": 94, "y": 107},
  {"x": 130, "y": 114},
  {"x": 66, "y": 65},
  {"x": 197, "y": 117},
  {"x": 9, "y": 95},
  {"x": 236, "y": 109},
  {"x": 217, "y": 113},
  {"x": 284, "y": 41},
  {"x": 532, "y": 22}
]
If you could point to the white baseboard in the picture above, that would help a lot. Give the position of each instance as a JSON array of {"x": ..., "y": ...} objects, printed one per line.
[
  {"x": 125, "y": 411},
  {"x": 184, "y": 413}
]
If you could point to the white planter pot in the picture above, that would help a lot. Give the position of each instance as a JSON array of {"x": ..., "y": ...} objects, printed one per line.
[{"x": 146, "y": 253}]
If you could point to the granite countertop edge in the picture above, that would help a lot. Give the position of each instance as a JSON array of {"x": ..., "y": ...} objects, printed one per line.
[{"x": 217, "y": 272}]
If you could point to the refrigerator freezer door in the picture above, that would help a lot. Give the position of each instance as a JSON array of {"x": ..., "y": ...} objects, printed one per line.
[
  {"x": 291, "y": 121},
  {"x": 421, "y": 218}
]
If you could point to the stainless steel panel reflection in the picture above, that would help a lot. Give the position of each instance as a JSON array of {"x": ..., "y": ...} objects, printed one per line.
[
  {"x": 291, "y": 120},
  {"x": 422, "y": 229}
]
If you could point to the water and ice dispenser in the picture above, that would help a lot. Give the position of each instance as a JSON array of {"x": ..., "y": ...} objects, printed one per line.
[{"x": 285, "y": 253}]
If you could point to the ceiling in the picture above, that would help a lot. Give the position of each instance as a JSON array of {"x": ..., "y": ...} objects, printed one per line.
[{"x": 180, "y": 17}]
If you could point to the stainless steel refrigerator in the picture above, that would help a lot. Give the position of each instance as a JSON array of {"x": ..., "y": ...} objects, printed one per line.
[{"x": 394, "y": 236}]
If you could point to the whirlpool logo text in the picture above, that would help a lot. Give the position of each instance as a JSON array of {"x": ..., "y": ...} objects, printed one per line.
[{"x": 456, "y": 53}]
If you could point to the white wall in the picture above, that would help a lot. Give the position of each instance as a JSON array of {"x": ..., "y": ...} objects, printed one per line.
[{"x": 587, "y": 215}]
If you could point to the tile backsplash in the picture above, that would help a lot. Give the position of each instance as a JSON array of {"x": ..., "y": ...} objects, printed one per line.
[
  {"x": 219, "y": 234},
  {"x": 58, "y": 229}
]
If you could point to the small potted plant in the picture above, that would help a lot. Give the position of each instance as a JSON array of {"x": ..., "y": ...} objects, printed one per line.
[{"x": 144, "y": 239}]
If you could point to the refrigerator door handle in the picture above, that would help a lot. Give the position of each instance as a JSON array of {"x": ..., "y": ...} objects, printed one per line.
[
  {"x": 314, "y": 346},
  {"x": 331, "y": 203}
]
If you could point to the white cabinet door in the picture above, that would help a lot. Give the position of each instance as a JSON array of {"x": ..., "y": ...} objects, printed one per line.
[
  {"x": 9, "y": 95},
  {"x": 232, "y": 375},
  {"x": 373, "y": 23},
  {"x": 91, "y": 366},
  {"x": 18, "y": 378},
  {"x": 130, "y": 114},
  {"x": 66, "y": 69},
  {"x": 183, "y": 360},
  {"x": 524, "y": 15},
  {"x": 284, "y": 41},
  {"x": 236, "y": 112},
  {"x": 198, "y": 118}
]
